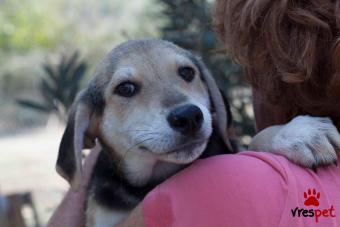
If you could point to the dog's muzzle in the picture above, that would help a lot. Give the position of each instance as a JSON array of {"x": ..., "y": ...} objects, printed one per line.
[{"x": 186, "y": 119}]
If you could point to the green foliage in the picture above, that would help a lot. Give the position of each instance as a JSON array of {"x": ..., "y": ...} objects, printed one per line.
[
  {"x": 60, "y": 86},
  {"x": 189, "y": 25},
  {"x": 28, "y": 24}
]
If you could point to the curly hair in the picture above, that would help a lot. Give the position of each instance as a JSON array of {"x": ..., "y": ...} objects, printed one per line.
[{"x": 290, "y": 50}]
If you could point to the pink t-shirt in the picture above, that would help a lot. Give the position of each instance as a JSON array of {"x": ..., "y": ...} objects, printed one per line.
[{"x": 246, "y": 189}]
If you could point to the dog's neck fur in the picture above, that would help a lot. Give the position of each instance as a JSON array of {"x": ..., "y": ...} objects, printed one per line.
[{"x": 115, "y": 187}]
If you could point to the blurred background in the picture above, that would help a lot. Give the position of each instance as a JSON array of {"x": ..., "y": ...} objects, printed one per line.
[{"x": 48, "y": 51}]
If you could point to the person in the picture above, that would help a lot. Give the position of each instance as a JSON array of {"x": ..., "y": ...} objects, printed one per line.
[{"x": 290, "y": 51}]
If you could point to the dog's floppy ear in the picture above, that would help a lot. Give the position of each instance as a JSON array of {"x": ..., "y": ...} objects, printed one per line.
[
  {"x": 79, "y": 134},
  {"x": 218, "y": 103}
]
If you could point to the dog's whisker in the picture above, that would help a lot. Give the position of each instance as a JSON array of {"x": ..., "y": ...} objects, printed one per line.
[
  {"x": 136, "y": 130},
  {"x": 148, "y": 125},
  {"x": 138, "y": 143},
  {"x": 147, "y": 134},
  {"x": 125, "y": 153},
  {"x": 161, "y": 137}
]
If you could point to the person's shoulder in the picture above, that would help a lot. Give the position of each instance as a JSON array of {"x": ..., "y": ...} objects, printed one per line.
[
  {"x": 245, "y": 189},
  {"x": 247, "y": 164},
  {"x": 254, "y": 175}
]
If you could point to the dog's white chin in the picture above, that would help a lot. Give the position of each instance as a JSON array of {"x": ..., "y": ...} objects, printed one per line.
[{"x": 184, "y": 156}]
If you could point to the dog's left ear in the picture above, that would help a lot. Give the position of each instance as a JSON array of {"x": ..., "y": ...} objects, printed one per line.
[
  {"x": 217, "y": 102},
  {"x": 79, "y": 134}
]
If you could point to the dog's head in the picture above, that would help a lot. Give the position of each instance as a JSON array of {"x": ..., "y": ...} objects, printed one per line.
[{"x": 149, "y": 100}]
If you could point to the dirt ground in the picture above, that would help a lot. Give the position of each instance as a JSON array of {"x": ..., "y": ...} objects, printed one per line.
[{"x": 27, "y": 163}]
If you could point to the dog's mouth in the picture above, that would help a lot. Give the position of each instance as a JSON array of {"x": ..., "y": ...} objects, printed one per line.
[{"x": 186, "y": 147}]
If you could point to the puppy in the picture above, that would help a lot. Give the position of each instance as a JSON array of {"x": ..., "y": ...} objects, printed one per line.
[
  {"x": 151, "y": 106},
  {"x": 154, "y": 108}
]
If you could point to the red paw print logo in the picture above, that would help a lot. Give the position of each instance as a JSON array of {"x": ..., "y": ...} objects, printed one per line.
[{"x": 312, "y": 198}]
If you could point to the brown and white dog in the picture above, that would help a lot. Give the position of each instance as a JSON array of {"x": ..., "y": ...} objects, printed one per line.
[{"x": 154, "y": 108}]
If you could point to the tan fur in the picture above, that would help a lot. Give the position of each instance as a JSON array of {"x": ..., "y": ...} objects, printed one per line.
[{"x": 156, "y": 71}]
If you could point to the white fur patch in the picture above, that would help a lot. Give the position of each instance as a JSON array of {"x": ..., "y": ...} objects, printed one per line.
[
  {"x": 307, "y": 141},
  {"x": 108, "y": 218},
  {"x": 98, "y": 216}
]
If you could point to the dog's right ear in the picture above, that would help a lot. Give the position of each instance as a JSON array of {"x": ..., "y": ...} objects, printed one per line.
[
  {"x": 217, "y": 101},
  {"x": 80, "y": 132}
]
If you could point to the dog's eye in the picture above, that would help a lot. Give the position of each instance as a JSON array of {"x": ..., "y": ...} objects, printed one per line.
[
  {"x": 187, "y": 73},
  {"x": 126, "y": 89}
]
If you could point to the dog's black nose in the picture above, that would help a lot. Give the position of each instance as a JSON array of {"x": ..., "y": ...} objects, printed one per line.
[{"x": 186, "y": 119}]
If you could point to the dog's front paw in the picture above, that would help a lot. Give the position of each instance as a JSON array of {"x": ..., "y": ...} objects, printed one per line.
[{"x": 307, "y": 141}]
